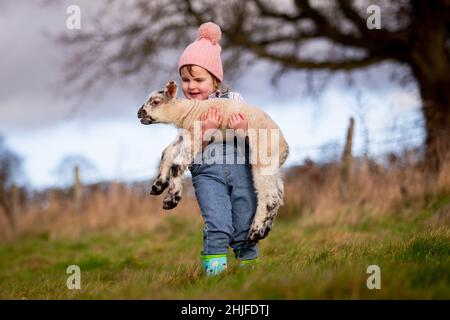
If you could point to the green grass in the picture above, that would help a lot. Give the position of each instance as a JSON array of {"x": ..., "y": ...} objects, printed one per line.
[{"x": 298, "y": 261}]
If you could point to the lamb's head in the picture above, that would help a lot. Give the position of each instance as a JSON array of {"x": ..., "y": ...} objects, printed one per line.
[{"x": 154, "y": 110}]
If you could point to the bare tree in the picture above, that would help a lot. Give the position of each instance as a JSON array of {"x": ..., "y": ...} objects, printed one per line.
[
  {"x": 64, "y": 171},
  {"x": 10, "y": 165},
  {"x": 130, "y": 38}
]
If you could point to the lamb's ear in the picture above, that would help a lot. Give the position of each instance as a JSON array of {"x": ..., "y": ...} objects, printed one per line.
[{"x": 171, "y": 89}]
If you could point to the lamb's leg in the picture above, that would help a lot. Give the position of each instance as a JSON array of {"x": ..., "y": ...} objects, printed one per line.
[
  {"x": 265, "y": 150},
  {"x": 165, "y": 165},
  {"x": 270, "y": 193},
  {"x": 181, "y": 160},
  {"x": 173, "y": 196}
]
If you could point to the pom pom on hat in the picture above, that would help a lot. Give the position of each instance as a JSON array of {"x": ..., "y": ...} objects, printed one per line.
[{"x": 210, "y": 31}]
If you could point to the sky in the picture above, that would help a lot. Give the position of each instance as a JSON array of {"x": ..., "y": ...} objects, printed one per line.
[{"x": 43, "y": 126}]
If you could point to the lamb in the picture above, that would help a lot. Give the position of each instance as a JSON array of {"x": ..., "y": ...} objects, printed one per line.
[{"x": 268, "y": 149}]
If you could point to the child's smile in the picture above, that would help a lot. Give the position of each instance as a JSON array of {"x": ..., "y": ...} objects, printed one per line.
[{"x": 195, "y": 95}]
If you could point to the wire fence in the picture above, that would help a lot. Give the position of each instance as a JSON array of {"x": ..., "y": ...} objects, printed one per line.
[{"x": 373, "y": 142}]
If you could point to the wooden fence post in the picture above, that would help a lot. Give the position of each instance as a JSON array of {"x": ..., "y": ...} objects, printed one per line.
[
  {"x": 346, "y": 169},
  {"x": 77, "y": 189},
  {"x": 14, "y": 206}
]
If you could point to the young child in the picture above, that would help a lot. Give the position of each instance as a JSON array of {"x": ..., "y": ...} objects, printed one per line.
[{"x": 224, "y": 191}]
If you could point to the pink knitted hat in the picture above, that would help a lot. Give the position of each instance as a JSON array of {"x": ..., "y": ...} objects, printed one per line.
[{"x": 205, "y": 51}]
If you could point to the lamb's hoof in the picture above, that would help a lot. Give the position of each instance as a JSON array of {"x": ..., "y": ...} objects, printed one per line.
[
  {"x": 158, "y": 188},
  {"x": 172, "y": 202},
  {"x": 257, "y": 234}
]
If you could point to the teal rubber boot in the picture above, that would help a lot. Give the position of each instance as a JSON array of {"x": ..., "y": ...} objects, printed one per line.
[{"x": 214, "y": 264}]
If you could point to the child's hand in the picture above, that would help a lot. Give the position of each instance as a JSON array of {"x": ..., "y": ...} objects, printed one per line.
[
  {"x": 211, "y": 120},
  {"x": 238, "y": 121}
]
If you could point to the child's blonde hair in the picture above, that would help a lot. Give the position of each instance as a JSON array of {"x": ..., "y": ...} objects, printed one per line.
[{"x": 216, "y": 82}]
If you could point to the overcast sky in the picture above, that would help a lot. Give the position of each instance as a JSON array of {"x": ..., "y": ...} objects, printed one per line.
[{"x": 43, "y": 127}]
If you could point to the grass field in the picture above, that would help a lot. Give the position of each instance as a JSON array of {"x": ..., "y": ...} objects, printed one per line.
[{"x": 301, "y": 259}]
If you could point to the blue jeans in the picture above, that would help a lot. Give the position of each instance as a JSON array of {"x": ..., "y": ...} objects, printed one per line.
[{"x": 227, "y": 200}]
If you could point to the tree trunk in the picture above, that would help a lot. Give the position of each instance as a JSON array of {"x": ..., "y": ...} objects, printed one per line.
[
  {"x": 430, "y": 61},
  {"x": 436, "y": 111}
]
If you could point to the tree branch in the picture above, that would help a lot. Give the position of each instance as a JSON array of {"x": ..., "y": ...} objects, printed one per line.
[
  {"x": 266, "y": 12},
  {"x": 295, "y": 62}
]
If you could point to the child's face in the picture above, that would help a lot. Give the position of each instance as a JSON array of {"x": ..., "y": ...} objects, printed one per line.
[{"x": 198, "y": 84}]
